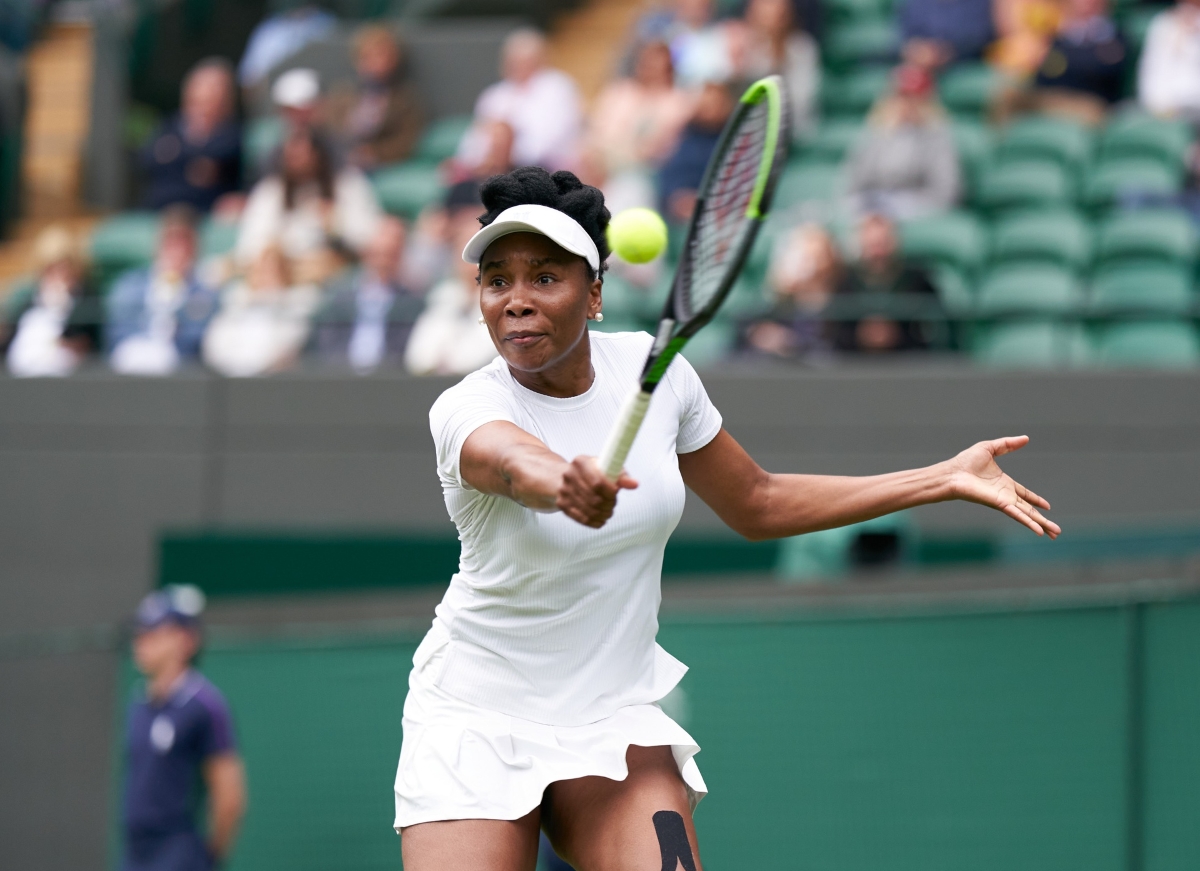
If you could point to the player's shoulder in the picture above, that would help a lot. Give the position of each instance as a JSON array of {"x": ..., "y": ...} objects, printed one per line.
[
  {"x": 490, "y": 380},
  {"x": 204, "y": 693},
  {"x": 637, "y": 342}
]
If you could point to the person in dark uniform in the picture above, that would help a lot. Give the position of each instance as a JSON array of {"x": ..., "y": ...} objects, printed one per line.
[{"x": 179, "y": 745}]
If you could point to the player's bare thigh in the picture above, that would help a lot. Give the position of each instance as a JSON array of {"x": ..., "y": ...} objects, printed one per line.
[
  {"x": 472, "y": 845},
  {"x": 634, "y": 824}
]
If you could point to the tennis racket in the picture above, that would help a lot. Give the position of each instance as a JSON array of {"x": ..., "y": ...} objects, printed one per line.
[{"x": 732, "y": 202}]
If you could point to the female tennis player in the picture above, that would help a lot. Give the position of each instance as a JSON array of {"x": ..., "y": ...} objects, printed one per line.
[{"x": 532, "y": 700}]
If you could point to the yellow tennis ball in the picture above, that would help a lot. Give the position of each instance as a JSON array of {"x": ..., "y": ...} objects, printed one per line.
[{"x": 637, "y": 235}]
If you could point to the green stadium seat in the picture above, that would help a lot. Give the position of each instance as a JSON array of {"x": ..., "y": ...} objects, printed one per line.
[
  {"x": 832, "y": 140},
  {"x": 1135, "y": 23},
  {"x": 404, "y": 189},
  {"x": 1044, "y": 138},
  {"x": 217, "y": 237},
  {"x": 955, "y": 239},
  {"x": 624, "y": 301},
  {"x": 1151, "y": 345},
  {"x": 1110, "y": 180},
  {"x": 747, "y": 299},
  {"x": 861, "y": 42},
  {"x": 854, "y": 93},
  {"x": 968, "y": 89},
  {"x": 1163, "y": 234},
  {"x": 1035, "y": 345},
  {"x": 1135, "y": 134},
  {"x": 441, "y": 138},
  {"x": 123, "y": 242},
  {"x": 854, "y": 10},
  {"x": 712, "y": 344},
  {"x": 1023, "y": 184},
  {"x": 260, "y": 137},
  {"x": 973, "y": 139},
  {"x": 803, "y": 182},
  {"x": 1019, "y": 290},
  {"x": 1134, "y": 288},
  {"x": 954, "y": 291},
  {"x": 1059, "y": 236}
]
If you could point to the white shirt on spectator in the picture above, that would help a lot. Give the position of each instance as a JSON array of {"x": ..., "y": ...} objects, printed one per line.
[
  {"x": 447, "y": 338},
  {"x": 544, "y": 113},
  {"x": 1169, "y": 71},
  {"x": 302, "y": 230}
]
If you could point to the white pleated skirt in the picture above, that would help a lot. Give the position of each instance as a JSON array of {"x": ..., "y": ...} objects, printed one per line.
[{"x": 463, "y": 762}]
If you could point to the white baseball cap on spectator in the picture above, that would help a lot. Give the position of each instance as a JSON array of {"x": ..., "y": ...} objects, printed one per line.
[{"x": 296, "y": 89}]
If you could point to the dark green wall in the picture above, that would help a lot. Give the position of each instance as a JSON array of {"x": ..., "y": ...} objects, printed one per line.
[{"x": 1062, "y": 738}]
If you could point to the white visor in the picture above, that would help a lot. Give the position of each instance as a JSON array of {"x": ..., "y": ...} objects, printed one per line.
[{"x": 555, "y": 225}]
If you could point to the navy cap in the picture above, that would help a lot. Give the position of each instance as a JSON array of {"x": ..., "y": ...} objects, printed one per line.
[{"x": 181, "y": 604}]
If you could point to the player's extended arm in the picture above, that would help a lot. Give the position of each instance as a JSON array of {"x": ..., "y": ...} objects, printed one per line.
[
  {"x": 226, "y": 783},
  {"x": 761, "y": 505},
  {"x": 502, "y": 459}
]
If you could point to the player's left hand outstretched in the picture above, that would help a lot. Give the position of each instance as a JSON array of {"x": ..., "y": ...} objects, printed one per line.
[{"x": 977, "y": 478}]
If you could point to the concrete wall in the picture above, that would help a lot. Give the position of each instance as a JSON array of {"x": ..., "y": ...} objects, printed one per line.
[{"x": 93, "y": 468}]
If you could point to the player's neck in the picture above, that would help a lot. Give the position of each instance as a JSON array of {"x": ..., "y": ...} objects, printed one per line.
[
  {"x": 160, "y": 685},
  {"x": 570, "y": 375}
]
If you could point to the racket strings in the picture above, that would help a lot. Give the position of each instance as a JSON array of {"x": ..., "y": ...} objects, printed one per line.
[{"x": 721, "y": 224}]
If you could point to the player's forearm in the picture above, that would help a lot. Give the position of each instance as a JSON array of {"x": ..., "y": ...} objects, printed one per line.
[
  {"x": 223, "y": 828},
  {"x": 533, "y": 476},
  {"x": 796, "y": 504}
]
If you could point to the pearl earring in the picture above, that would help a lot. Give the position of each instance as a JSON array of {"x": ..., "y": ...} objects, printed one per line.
[
  {"x": 482, "y": 322},
  {"x": 599, "y": 317}
]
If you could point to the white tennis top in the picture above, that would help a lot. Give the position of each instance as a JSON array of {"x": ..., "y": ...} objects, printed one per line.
[{"x": 546, "y": 619}]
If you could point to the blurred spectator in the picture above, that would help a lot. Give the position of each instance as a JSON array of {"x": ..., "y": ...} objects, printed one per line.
[
  {"x": 1169, "y": 71},
  {"x": 448, "y": 338},
  {"x": 493, "y": 153},
  {"x": 634, "y": 126},
  {"x": 280, "y": 36},
  {"x": 318, "y": 218},
  {"x": 882, "y": 270},
  {"x": 429, "y": 257},
  {"x": 1084, "y": 69},
  {"x": 264, "y": 320},
  {"x": 382, "y": 120},
  {"x": 297, "y": 96},
  {"x": 940, "y": 32},
  {"x": 905, "y": 164},
  {"x": 682, "y": 172},
  {"x": 196, "y": 157},
  {"x": 702, "y": 48},
  {"x": 806, "y": 271},
  {"x": 775, "y": 44},
  {"x": 51, "y": 324},
  {"x": 1026, "y": 29},
  {"x": 156, "y": 316},
  {"x": 181, "y": 753},
  {"x": 369, "y": 314},
  {"x": 540, "y": 104}
]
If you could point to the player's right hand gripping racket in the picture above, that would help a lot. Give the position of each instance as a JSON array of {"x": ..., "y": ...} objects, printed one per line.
[{"x": 730, "y": 206}]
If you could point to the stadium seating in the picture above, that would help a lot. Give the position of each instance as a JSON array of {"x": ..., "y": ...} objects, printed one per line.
[
  {"x": 955, "y": 239},
  {"x": 122, "y": 242},
  {"x": 1161, "y": 234},
  {"x": 1059, "y": 236},
  {"x": 1023, "y": 184},
  {"x": 406, "y": 188},
  {"x": 1144, "y": 136},
  {"x": 441, "y": 139},
  {"x": 833, "y": 140},
  {"x": 974, "y": 143},
  {"x": 1045, "y": 138},
  {"x": 804, "y": 181},
  {"x": 860, "y": 42},
  {"x": 1025, "y": 289},
  {"x": 968, "y": 89},
  {"x": 1153, "y": 344},
  {"x": 851, "y": 95},
  {"x": 1110, "y": 180},
  {"x": 1134, "y": 288},
  {"x": 1032, "y": 345}
]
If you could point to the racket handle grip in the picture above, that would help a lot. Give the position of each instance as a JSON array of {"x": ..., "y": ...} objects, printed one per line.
[{"x": 624, "y": 431}]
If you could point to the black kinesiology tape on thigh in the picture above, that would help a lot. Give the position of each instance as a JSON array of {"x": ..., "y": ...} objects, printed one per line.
[{"x": 673, "y": 841}]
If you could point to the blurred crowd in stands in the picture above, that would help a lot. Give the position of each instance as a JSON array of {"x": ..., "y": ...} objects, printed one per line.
[{"x": 957, "y": 170}]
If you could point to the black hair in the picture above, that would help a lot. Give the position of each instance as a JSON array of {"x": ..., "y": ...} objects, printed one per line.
[{"x": 532, "y": 185}]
